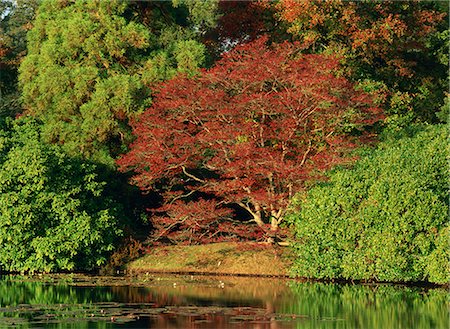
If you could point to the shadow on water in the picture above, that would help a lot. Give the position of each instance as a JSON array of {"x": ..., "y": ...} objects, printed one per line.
[{"x": 157, "y": 301}]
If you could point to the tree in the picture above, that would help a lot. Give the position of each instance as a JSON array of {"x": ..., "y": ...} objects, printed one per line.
[
  {"x": 54, "y": 211},
  {"x": 386, "y": 219},
  {"x": 250, "y": 132},
  {"x": 90, "y": 64},
  {"x": 401, "y": 46}
]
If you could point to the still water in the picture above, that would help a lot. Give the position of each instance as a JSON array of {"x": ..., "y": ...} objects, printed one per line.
[{"x": 156, "y": 301}]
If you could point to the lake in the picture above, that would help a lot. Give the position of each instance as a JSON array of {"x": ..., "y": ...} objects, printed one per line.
[{"x": 184, "y": 301}]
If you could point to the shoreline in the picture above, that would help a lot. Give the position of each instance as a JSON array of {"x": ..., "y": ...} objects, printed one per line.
[
  {"x": 140, "y": 278},
  {"x": 226, "y": 259},
  {"x": 163, "y": 260}
]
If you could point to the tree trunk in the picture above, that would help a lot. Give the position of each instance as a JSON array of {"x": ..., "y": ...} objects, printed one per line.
[{"x": 273, "y": 224}]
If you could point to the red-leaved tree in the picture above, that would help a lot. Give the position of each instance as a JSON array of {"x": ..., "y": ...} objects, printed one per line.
[{"x": 248, "y": 133}]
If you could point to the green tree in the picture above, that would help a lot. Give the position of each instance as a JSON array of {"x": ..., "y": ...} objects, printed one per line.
[
  {"x": 385, "y": 219},
  {"x": 54, "y": 212},
  {"x": 90, "y": 64}
]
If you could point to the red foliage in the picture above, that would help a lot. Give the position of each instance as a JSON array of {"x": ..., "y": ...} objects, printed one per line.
[{"x": 249, "y": 132}]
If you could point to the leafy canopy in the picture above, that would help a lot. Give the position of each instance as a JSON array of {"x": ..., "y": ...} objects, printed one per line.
[
  {"x": 90, "y": 64},
  {"x": 248, "y": 132},
  {"x": 401, "y": 46}
]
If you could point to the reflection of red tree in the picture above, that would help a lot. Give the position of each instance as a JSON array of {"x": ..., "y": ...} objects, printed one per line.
[
  {"x": 177, "y": 310},
  {"x": 238, "y": 290},
  {"x": 218, "y": 321},
  {"x": 144, "y": 295}
]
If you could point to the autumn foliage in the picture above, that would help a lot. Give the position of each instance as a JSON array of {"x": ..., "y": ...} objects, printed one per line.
[
  {"x": 403, "y": 44},
  {"x": 247, "y": 133}
]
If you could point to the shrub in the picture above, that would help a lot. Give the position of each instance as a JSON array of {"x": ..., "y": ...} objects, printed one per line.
[
  {"x": 385, "y": 219},
  {"x": 53, "y": 211}
]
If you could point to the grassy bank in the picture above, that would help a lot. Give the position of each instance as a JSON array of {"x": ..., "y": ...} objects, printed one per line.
[{"x": 217, "y": 258}]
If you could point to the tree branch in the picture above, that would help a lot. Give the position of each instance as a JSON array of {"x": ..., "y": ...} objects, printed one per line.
[{"x": 192, "y": 176}]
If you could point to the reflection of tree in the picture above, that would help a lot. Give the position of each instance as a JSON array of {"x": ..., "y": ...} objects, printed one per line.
[
  {"x": 252, "y": 318},
  {"x": 202, "y": 303},
  {"x": 367, "y": 306},
  {"x": 26, "y": 301},
  {"x": 203, "y": 290},
  {"x": 14, "y": 292}
]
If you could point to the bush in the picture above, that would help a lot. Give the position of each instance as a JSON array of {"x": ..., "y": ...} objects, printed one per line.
[
  {"x": 53, "y": 211},
  {"x": 386, "y": 219}
]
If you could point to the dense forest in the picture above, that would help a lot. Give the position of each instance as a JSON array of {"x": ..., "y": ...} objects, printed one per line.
[{"x": 320, "y": 123}]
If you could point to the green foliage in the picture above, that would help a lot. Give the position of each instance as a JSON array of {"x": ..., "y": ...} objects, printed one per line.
[
  {"x": 90, "y": 64},
  {"x": 54, "y": 214},
  {"x": 444, "y": 113},
  {"x": 385, "y": 219},
  {"x": 203, "y": 14}
]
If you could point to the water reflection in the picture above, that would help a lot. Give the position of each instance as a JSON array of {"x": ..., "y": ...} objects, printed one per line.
[
  {"x": 369, "y": 306},
  {"x": 212, "y": 302}
]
